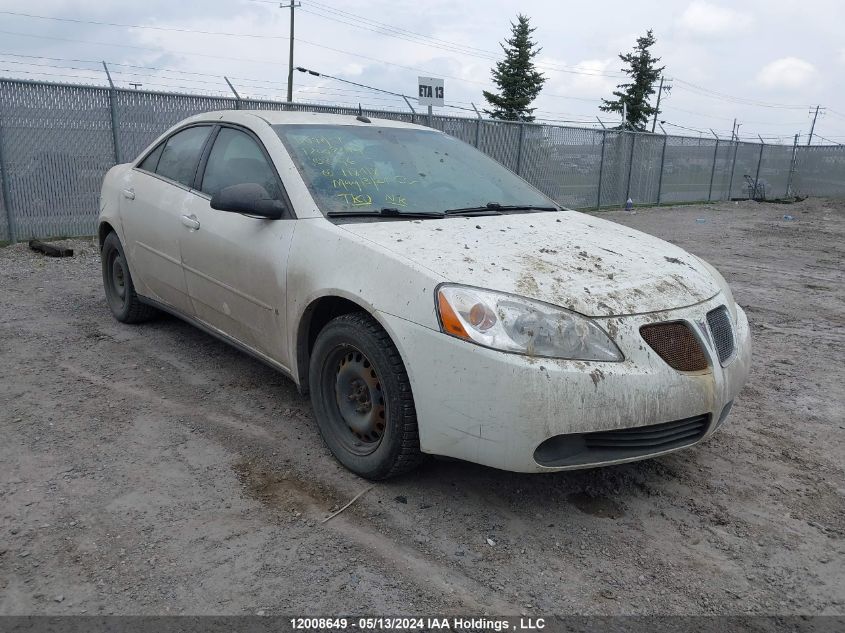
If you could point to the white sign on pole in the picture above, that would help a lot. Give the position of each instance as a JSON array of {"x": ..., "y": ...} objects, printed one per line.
[{"x": 430, "y": 91}]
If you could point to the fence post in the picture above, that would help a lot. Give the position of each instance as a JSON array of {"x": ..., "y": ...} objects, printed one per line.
[
  {"x": 477, "y": 125},
  {"x": 4, "y": 187},
  {"x": 630, "y": 165},
  {"x": 601, "y": 167},
  {"x": 237, "y": 96},
  {"x": 519, "y": 147},
  {"x": 713, "y": 170},
  {"x": 759, "y": 164},
  {"x": 733, "y": 169},
  {"x": 413, "y": 112},
  {"x": 112, "y": 94},
  {"x": 662, "y": 161},
  {"x": 792, "y": 164}
]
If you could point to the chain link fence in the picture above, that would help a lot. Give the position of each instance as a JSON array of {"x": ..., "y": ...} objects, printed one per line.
[{"x": 57, "y": 141}]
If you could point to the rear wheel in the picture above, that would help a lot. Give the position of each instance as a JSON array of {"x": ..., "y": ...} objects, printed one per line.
[
  {"x": 362, "y": 398},
  {"x": 117, "y": 282}
]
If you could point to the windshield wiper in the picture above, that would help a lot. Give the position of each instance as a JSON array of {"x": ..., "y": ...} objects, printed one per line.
[
  {"x": 494, "y": 208},
  {"x": 389, "y": 212}
]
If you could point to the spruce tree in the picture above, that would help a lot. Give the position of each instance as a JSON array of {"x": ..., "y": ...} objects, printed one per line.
[
  {"x": 642, "y": 68},
  {"x": 518, "y": 80}
]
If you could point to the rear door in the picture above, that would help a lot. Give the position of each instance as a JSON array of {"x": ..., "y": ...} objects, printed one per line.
[
  {"x": 152, "y": 208},
  {"x": 235, "y": 265}
]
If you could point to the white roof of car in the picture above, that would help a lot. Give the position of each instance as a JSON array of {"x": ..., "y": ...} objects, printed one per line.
[{"x": 273, "y": 117}]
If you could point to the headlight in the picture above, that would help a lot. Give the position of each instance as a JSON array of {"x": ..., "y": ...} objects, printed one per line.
[{"x": 524, "y": 326}]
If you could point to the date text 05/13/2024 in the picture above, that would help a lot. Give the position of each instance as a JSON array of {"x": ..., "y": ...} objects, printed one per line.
[{"x": 421, "y": 623}]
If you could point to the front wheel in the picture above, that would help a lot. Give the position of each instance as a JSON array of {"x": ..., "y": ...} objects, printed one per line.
[
  {"x": 117, "y": 282},
  {"x": 362, "y": 398}
]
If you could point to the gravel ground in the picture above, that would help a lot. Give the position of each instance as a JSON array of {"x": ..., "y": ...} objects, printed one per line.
[{"x": 153, "y": 470}]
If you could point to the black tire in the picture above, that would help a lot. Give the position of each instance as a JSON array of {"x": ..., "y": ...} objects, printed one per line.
[
  {"x": 362, "y": 398},
  {"x": 117, "y": 281}
]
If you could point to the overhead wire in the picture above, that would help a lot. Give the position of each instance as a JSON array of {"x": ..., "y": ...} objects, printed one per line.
[
  {"x": 685, "y": 85},
  {"x": 333, "y": 13}
]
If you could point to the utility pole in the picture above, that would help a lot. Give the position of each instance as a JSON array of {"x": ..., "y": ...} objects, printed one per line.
[
  {"x": 813, "y": 126},
  {"x": 733, "y": 130},
  {"x": 293, "y": 5},
  {"x": 624, "y": 116},
  {"x": 657, "y": 108}
]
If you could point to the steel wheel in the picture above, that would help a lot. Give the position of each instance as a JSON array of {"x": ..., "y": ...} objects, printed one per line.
[
  {"x": 117, "y": 282},
  {"x": 362, "y": 398},
  {"x": 359, "y": 399},
  {"x": 116, "y": 288}
]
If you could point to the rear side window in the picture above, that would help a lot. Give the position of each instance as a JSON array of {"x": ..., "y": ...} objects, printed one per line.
[
  {"x": 181, "y": 154},
  {"x": 235, "y": 159},
  {"x": 151, "y": 161}
]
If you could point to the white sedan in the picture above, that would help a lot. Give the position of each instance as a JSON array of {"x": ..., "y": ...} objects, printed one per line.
[{"x": 429, "y": 300}]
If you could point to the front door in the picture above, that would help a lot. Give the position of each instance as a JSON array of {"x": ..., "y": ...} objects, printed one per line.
[{"x": 235, "y": 265}]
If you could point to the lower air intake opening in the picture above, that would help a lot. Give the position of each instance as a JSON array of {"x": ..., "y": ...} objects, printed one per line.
[{"x": 605, "y": 446}]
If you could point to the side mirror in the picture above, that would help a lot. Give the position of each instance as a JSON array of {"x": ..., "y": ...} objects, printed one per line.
[{"x": 250, "y": 199}]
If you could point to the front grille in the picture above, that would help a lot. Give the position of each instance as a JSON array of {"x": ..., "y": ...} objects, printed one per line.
[
  {"x": 675, "y": 343},
  {"x": 719, "y": 321},
  {"x": 605, "y": 446}
]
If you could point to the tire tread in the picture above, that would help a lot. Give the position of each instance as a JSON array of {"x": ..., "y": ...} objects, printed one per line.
[
  {"x": 409, "y": 455},
  {"x": 136, "y": 311}
]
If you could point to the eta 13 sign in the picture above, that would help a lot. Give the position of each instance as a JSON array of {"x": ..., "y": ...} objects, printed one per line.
[{"x": 430, "y": 91}]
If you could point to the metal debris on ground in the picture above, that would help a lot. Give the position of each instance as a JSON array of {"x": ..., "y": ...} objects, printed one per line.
[{"x": 354, "y": 499}]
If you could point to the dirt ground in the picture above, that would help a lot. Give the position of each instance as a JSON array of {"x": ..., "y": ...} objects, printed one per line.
[{"x": 154, "y": 470}]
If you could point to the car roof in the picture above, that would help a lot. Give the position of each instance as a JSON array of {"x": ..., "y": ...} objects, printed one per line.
[{"x": 272, "y": 117}]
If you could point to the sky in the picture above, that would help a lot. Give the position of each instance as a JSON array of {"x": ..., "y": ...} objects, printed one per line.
[{"x": 767, "y": 63}]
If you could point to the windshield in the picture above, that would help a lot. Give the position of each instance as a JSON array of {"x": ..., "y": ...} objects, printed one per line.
[{"x": 352, "y": 168}]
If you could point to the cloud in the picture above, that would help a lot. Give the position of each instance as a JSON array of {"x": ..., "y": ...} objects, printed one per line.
[
  {"x": 705, "y": 19},
  {"x": 787, "y": 72}
]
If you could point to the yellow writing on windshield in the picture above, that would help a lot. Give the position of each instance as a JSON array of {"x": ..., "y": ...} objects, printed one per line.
[
  {"x": 343, "y": 169},
  {"x": 356, "y": 200},
  {"x": 360, "y": 184},
  {"x": 396, "y": 200}
]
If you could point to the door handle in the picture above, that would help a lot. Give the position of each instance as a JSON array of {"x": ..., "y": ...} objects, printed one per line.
[
  {"x": 129, "y": 193},
  {"x": 191, "y": 222}
]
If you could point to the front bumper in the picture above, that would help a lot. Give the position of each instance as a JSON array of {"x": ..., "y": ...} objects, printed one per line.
[{"x": 496, "y": 409}]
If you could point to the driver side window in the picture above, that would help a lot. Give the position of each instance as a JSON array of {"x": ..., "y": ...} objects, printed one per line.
[{"x": 236, "y": 159}]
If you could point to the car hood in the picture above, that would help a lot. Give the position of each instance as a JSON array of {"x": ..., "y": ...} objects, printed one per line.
[{"x": 569, "y": 259}]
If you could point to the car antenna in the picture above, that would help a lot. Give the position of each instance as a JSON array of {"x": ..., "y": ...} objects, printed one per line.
[{"x": 361, "y": 116}]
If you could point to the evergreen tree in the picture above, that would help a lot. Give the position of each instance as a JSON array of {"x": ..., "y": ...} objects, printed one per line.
[
  {"x": 644, "y": 73},
  {"x": 518, "y": 80}
]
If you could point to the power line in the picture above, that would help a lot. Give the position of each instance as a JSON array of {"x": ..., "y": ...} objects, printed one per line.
[
  {"x": 728, "y": 118},
  {"x": 456, "y": 48},
  {"x": 401, "y": 36},
  {"x": 442, "y": 44},
  {"x": 351, "y": 19},
  {"x": 354, "y": 83},
  {"x": 142, "y": 48},
  {"x": 391, "y": 27},
  {"x": 685, "y": 85},
  {"x": 142, "y": 26},
  {"x": 410, "y": 36}
]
